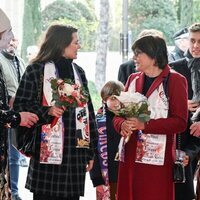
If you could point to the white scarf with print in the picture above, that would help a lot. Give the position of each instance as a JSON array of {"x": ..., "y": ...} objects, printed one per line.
[{"x": 152, "y": 149}]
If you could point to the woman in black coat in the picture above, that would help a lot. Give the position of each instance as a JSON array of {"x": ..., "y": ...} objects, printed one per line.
[{"x": 57, "y": 169}]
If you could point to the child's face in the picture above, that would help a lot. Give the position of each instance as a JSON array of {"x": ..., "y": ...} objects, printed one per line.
[{"x": 113, "y": 103}]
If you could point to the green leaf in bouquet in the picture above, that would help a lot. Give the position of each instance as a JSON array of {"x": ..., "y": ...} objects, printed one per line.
[
  {"x": 144, "y": 117},
  {"x": 54, "y": 84}
]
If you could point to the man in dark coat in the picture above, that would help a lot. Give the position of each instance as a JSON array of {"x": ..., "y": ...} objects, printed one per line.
[
  {"x": 125, "y": 70},
  {"x": 189, "y": 67}
]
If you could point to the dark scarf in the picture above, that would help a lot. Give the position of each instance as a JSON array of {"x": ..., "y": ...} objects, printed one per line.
[
  {"x": 188, "y": 55},
  {"x": 194, "y": 66},
  {"x": 64, "y": 67}
]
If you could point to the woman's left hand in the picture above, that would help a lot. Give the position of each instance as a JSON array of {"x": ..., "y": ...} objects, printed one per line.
[
  {"x": 89, "y": 165},
  {"x": 136, "y": 124}
]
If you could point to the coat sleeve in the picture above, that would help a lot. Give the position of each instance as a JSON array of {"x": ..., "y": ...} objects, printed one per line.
[
  {"x": 95, "y": 172},
  {"x": 29, "y": 94},
  {"x": 9, "y": 119}
]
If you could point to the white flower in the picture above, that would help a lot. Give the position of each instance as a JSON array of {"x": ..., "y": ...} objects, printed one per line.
[
  {"x": 65, "y": 89},
  {"x": 128, "y": 97}
]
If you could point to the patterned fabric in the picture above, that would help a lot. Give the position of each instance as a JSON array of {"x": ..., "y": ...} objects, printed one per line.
[
  {"x": 7, "y": 118},
  {"x": 68, "y": 178}
]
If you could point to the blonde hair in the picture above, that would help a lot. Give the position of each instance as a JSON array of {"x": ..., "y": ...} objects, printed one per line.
[{"x": 152, "y": 32}]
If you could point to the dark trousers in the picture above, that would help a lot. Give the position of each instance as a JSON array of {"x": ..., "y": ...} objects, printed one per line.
[
  {"x": 113, "y": 190},
  {"x": 47, "y": 197}
]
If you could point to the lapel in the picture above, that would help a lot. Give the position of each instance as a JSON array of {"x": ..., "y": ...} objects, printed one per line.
[{"x": 156, "y": 83}]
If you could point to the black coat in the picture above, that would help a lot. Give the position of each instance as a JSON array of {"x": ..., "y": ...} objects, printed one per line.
[
  {"x": 8, "y": 118},
  {"x": 67, "y": 179},
  {"x": 189, "y": 143},
  {"x": 113, "y": 139},
  {"x": 175, "y": 54},
  {"x": 125, "y": 70}
]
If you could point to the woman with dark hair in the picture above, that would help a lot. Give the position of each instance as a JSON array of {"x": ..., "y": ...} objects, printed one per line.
[
  {"x": 64, "y": 148},
  {"x": 147, "y": 170}
]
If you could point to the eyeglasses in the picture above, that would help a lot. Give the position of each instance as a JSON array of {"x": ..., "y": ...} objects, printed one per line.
[{"x": 137, "y": 52}]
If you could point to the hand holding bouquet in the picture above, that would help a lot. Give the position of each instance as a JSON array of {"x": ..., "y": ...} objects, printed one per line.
[
  {"x": 133, "y": 105},
  {"x": 66, "y": 93}
]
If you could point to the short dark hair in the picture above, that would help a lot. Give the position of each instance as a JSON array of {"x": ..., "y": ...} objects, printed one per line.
[
  {"x": 194, "y": 27},
  {"x": 155, "y": 47},
  {"x": 57, "y": 38}
]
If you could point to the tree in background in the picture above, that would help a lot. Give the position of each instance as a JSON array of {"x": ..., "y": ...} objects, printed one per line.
[
  {"x": 73, "y": 13},
  {"x": 32, "y": 26},
  {"x": 102, "y": 45},
  {"x": 186, "y": 14},
  {"x": 196, "y": 8},
  {"x": 157, "y": 14},
  {"x": 115, "y": 25}
]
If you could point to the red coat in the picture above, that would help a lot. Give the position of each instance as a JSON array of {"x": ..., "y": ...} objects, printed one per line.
[{"x": 138, "y": 181}]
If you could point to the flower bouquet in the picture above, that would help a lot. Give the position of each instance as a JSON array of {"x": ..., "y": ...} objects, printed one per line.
[
  {"x": 133, "y": 105},
  {"x": 66, "y": 93}
]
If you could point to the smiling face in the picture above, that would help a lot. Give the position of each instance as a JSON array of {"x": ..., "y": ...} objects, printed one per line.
[
  {"x": 113, "y": 103},
  {"x": 150, "y": 53},
  {"x": 194, "y": 44},
  {"x": 71, "y": 50},
  {"x": 143, "y": 62}
]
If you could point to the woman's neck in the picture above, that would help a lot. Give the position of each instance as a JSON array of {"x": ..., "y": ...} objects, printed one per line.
[{"x": 153, "y": 72}]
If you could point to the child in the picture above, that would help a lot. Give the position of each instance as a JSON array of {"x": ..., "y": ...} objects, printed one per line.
[{"x": 105, "y": 169}]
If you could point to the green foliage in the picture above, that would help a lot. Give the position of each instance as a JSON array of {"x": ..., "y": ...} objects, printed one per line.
[
  {"x": 59, "y": 9},
  {"x": 96, "y": 99},
  {"x": 86, "y": 12},
  {"x": 196, "y": 13},
  {"x": 31, "y": 24},
  {"x": 157, "y": 14},
  {"x": 76, "y": 14}
]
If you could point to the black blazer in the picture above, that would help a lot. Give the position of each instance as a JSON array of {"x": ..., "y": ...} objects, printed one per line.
[
  {"x": 125, "y": 70},
  {"x": 189, "y": 143}
]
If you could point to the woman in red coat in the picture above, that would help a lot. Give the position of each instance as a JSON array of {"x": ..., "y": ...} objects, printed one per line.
[{"x": 151, "y": 176}]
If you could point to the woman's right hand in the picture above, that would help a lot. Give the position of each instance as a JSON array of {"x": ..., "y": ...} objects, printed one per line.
[
  {"x": 126, "y": 128},
  {"x": 28, "y": 119},
  {"x": 56, "y": 111}
]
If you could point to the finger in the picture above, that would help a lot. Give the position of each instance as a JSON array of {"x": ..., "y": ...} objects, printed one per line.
[
  {"x": 64, "y": 108},
  {"x": 192, "y": 131},
  {"x": 35, "y": 117},
  {"x": 192, "y": 126},
  {"x": 30, "y": 123},
  {"x": 196, "y": 133}
]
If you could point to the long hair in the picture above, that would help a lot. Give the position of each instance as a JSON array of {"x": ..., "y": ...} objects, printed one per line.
[
  {"x": 155, "y": 47},
  {"x": 57, "y": 38}
]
